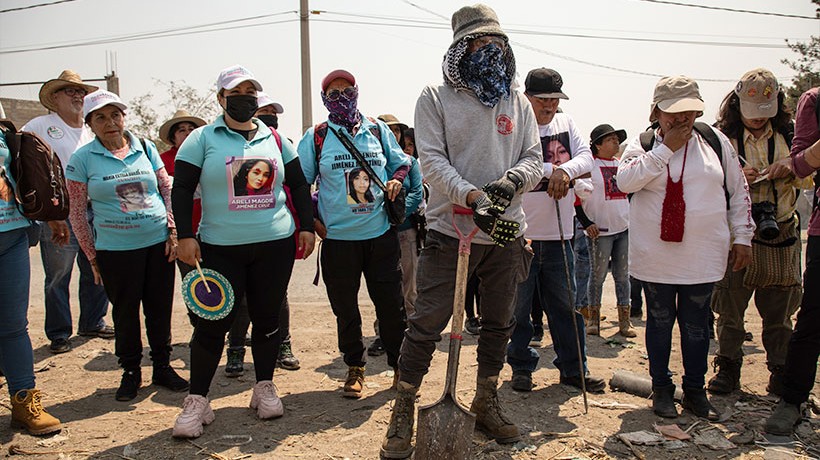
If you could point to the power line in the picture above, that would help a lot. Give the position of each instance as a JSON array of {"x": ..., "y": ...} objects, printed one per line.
[
  {"x": 35, "y": 6},
  {"x": 511, "y": 31},
  {"x": 719, "y": 8},
  {"x": 189, "y": 30}
]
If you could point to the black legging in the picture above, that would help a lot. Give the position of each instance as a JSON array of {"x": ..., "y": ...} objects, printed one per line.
[{"x": 261, "y": 272}]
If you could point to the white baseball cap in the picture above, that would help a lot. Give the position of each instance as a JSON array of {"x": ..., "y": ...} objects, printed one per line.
[
  {"x": 232, "y": 76},
  {"x": 263, "y": 100},
  {"x": 99, "y": 99}
]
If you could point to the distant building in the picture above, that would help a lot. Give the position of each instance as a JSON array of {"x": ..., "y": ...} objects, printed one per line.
[{"x": 21, "y": 111}]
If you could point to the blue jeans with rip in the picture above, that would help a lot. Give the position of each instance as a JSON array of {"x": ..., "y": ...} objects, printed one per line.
[
  {"x": 582, "y": 268},
  {"x": 58, "y": 263},
  {"x": 605, "y": 248},
  {"x": 690, "y": 306},
  {"x": 548, "y": 279},
  {"x": 16, "y": 356}
]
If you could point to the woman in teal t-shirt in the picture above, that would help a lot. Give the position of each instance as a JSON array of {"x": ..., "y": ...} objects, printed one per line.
[
  {"x": 17, "y": 358},
  {"x": 133, "y": 245},
  {"x": 246, "y": 234}
]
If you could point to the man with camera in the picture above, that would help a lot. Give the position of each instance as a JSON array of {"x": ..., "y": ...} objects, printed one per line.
[{"x": 754, "y": 118}]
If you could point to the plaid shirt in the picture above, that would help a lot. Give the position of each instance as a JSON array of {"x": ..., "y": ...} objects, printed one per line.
[{"x": 757, "y": 156}]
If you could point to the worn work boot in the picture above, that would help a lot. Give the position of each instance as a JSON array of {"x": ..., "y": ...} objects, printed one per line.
[
  {"x": 236, "y": 362},
  {"x": 286, "y": 358},
  {"x": 489, "y": 417},
  {"x": 265, "y": 400},
  {"x": 196, "y": 413},
  {"x": 27, "y": 412},
  {"x": 727, "y": 378},
  {"x": 354, "y": 383},
  {"x": 522, "y": 381},
  {"x": 594, "y": 320},
  {"x": 129, "y": 384},
  {"x": 591, "y": 383},
  {"x": 775, "y": 385},
  {"x": 783, "y": 419},
  {"x": 396, "y": 443},
  {"x": 695, "y": 400},
  {"x": 663, "y": 401},
  {"x": 624, "y": 323},
  {"x": 165, "y": 376}
]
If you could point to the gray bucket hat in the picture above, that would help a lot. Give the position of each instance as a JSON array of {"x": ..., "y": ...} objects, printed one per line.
[{"x": 477, "y": 20}]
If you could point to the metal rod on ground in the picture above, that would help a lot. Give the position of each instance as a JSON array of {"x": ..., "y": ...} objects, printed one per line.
[{"x": 571, "y": 304}]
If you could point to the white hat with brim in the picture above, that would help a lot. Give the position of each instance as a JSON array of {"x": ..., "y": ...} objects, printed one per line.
[
  {"x": 99, "y": 99},
  {"x": 66, "y": 78},
  {"x": 263, "y": 100},
  {"x": 232, "y": 76},
  {"x": 180, "y": 116},
  {"x": 684, "y": 104}
]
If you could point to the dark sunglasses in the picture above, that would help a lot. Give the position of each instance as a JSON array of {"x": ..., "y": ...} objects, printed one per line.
[
  {"x": 71, "y": 92},
  {"x": 349, "y": 93}
]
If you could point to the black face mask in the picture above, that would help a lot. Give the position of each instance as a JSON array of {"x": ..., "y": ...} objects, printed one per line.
[
  {"x": 241, "y": 107},
  {"x": 270, "y": 120}
]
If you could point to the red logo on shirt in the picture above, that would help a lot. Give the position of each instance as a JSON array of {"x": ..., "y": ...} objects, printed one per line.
[{"x": 504, "y": 124}]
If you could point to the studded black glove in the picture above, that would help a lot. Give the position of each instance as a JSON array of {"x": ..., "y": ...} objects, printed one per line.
[
  {"x": 485, "y": 216},
  {"x": 502, "y": 191}
]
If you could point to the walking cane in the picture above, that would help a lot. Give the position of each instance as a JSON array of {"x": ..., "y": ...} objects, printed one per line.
[{"x": 572, "y": 306}]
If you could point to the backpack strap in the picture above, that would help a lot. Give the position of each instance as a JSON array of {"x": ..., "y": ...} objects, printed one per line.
[
  {"x": 711, "y": 138},
  {"x": 319, "y": 135},
  {"x": 278, "y": 139},
  {"x": 647, "y": 139}
]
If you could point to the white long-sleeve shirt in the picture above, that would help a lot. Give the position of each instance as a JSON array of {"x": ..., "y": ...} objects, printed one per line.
[
  {"x": 564, "y": 148},
  {"x": 709, "y": 229},
  {"x": 607, "y": 206}
]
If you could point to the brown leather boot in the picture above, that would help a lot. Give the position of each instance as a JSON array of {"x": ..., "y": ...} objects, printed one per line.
[
  {"x": 27, "y": 412},
  {"x": 624, "y": 323},
  {"x": 489, "y": 417},
  {"x": 594, "y": 321},
  {"x": 354, "y": 383},
  {"x": 396, "y": 443}
]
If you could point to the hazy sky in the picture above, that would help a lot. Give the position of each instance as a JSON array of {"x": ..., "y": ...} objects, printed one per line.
[{"x": 394, "y": 47}]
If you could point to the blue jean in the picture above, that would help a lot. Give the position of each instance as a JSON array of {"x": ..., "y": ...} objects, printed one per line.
[
  {"x": 689, "y": 304},
  {"x": 16, "y": 356},
  {"x": 615, "y": 247},
  {"x": 58, "y": 263},
  {"x": 548, "y": 279},
  {"x": 582, "y": 269}
]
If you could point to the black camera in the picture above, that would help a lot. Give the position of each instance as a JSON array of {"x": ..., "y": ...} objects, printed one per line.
[{"x": 764, "y": 214}]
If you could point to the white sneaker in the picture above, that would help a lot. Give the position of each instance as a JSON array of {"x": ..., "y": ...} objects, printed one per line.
[
  {"x": 196, "y": 412},
  {"x": 265, "y": 401}
]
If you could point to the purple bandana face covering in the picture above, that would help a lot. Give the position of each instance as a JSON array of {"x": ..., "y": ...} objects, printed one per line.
[
  {"x": 343, "y": 111},
  {"x": 485, "y": 72}
]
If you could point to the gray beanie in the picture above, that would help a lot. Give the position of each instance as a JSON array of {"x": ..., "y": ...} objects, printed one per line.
[{"x": 475, "y": 20}]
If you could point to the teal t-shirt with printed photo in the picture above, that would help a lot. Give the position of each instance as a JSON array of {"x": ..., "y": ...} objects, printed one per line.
[
  {"x": 243, "y": 200},
  {"x": 129, "y": 212},
  {"x": 350, "y": 204},
  {"x": 10, "y": 217}
]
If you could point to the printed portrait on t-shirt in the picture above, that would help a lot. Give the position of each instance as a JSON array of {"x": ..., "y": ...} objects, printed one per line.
[
  {"x": 358, "y": 187},
  {"x": 5, "y": 188},
  {"x": 611, "y": 190},
  {"x": 556, "y": 150},
  {"x": 250, "y": 183},
  {"x": 133, "y": 196}
]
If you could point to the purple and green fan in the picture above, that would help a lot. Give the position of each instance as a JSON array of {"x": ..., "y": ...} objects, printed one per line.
[{"x": 207, "y": 293}]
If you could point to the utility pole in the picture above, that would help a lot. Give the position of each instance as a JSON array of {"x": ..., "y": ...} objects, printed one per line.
[
  {"x": 113, "y": 82},
  {"x": 304, "y": 29}
]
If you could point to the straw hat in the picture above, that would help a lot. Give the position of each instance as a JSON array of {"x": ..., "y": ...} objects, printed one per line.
[
  {"x": 180, "y": 116},
  {"x": 66, "y": 78}
]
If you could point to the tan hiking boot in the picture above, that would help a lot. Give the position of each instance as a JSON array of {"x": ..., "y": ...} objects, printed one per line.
[
  {"x": 27, "y": 412},
  {"x": 594, "y": 320},
  {"x": 489, "y": 417},
  {"x": 354, "y": 383},
  {"x": 397, "y": 441},
  {"x": 624, "y": 323}
]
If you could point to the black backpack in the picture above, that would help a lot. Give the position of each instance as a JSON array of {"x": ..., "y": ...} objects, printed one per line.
[
  {"x": 40, "y": 189},
  {"x": 648, "y": 140}
]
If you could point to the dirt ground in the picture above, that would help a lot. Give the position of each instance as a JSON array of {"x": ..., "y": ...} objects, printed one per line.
[{"x": 318, "y": 423}]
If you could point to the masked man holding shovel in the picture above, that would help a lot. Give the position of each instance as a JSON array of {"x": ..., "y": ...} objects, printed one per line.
[{"x": 478, "y": 144}]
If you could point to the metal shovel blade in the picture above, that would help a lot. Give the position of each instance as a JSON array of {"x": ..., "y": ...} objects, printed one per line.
[{"x": 445, "y": 430}]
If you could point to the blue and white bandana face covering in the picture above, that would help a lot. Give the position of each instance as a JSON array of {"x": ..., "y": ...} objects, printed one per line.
[{"x": 485, "y": 72}]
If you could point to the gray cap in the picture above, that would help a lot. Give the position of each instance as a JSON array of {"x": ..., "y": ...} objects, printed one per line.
[{"x": 475, "y": 20}]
